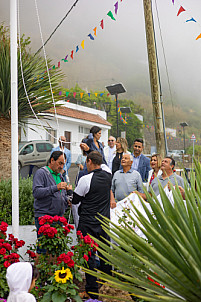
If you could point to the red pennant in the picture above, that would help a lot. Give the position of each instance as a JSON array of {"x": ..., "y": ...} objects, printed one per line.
[
  {"x": 101, "y": 24},
  {"x": 181, "y": 10},
  {"x": 108, "y": 94},
  {"x": 59, "y": 64},
  {"x": 74, "y": 94},
  {"x": 71, "y": 55}
]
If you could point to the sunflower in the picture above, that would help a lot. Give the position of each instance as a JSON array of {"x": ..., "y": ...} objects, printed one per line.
[{"x": 63, "y": 275}]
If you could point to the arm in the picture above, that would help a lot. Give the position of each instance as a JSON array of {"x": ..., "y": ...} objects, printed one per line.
[
  {"x": 113, "y": 203},
  {"x": 139, "y": 184},
  {"x": 39, "y": 189},
  {"x": 68, "y": 159},
  {"x": 148, "y": 168}
]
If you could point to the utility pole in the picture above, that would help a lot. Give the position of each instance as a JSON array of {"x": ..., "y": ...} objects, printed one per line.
[{"x": 154, "y": 80}]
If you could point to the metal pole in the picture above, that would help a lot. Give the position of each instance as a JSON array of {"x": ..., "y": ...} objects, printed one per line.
[
  {"x": 116, "y": 97},
  {"x": 14, "y": 118},
  {"x": 193, "y": 150},
  {"x": 154, "y": 79},
  {"x": 184, "y": 141}
]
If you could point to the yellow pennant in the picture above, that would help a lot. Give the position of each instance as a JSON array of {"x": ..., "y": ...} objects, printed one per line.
[
  {"x": 82, "y": 44},
  {"x": 81, "y": 94},
  {"x": 95, "y": 28},
  {"x": 96, "y": 94}
]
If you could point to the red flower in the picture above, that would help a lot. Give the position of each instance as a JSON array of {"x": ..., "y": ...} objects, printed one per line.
[
  {"x": 6, "y": 264},
  {"x": 7, "y": 246},
  {"x": 11, "y": 238},
  {"x": 89, "y": 253},
  {"x": 63, "y": 220},
  {"x": 66, "y": 230},
  {"x": 79, "y": 233},
  {"x": 56, "y": 218},
  {"x": 31, "y": 254},
  {"x": 2, "y": 251},
  {"x": 86, "y": 257},
  {"x": 19, "y": 244},
  {"x": 72, "y": 247},
  {"x": 87, "y": 239},
  {"x": 70, "y": 254},
  {"x": 71, "y": 263},
  {"x": 1, "y": 241},
  {"x": 71, "y": 227}
]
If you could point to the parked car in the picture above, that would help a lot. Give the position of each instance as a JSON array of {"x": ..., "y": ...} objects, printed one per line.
[
  {"x": 176, "y": 154},
  {"x": 36, "y": 153}
]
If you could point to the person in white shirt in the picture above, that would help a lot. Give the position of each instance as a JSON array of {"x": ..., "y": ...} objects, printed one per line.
[{"x": 110, "y": 151}]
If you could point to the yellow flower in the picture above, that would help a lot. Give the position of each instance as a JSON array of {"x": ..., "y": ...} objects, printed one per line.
[{"x": 63, "y": 275}]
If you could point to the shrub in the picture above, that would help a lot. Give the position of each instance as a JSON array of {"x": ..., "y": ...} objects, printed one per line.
[{"x": 25, "y": 201}]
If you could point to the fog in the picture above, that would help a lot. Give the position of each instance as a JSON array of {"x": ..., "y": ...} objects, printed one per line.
[{"x": 118, "y": 53}]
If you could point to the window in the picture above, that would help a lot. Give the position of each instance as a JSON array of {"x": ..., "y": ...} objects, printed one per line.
[
  {"x": 27, "y": 149},
  {"x": 40, "y": 147},
  {"x": 52, "y": 135},
  {"x": 81, "y": 129},
  {"x": 84, "y": 130},
  {"x": 48, "y": 147}
]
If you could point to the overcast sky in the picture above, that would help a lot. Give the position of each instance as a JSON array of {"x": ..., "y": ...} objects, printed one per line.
[{"x": 118, "y": 53}]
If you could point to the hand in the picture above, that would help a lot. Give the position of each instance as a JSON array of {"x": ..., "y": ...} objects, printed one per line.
[
  {"x": 113, "y": 204},
  {"x": 81, "y": 167},
  {"x": 84, "y": 147},
  {"x": 70, "y": 203},
  {"x": 69, "y": 187},
  {"x": 182, "y": 191},
  {"x": 62, "y": 186}
]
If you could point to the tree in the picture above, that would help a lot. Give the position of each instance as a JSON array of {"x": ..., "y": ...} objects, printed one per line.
[{"x": 37, "y": 85}]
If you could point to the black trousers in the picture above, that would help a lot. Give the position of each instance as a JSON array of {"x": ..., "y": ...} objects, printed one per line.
[{"x": 97, "y": 232}]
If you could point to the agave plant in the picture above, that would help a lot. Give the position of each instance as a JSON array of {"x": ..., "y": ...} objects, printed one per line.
[{"x": 166, "y": 266}]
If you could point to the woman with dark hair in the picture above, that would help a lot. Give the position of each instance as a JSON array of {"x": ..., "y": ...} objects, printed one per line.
[
  {"x": 91, "y": 142},
  {"x": 21, "y": 279}
]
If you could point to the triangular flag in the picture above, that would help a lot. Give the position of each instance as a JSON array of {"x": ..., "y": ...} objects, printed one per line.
[
  {"x": 90, "y": 36},
  {"x": 74, "y": 94},
  {"x": 96, "y": 94},
  {"x": 198, "y": 37},
  {"x": 64, "y": 60},
  {"x": 71, "y": 54},
  {"x": 111, "y": 15},
  {"x": 82, "y": 44},
  {"x": 173, "y": 1},
  {"x": 59, "y": 64},
  {"x": 53, "y": 67},
  {"x": 116, "y": 7},
  {"x": 89, "y": 94},
  {"x": 77, "y": 48},
  {"x": 108, "y": 94},
  {"x": 81, "y": 94},
  {"x": 66, "y": 57},
  {"x": 101, "y": 94},
  {"x": 101, "y": 24},
  {"x": 192, "y": 19},
  {"x": 95, "y": 28},
  {"x": 68, "y": 100},
  {"x": 180, "y": 10},
  {"x": 60, "y": 92},
  {"x": 67, "y": 93}
]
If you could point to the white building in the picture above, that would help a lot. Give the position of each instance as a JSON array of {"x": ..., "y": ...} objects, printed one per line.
[{"x": 74, "y": 122}]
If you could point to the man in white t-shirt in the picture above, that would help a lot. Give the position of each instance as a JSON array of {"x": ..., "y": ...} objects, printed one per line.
[{"x": 110, "y": 151}]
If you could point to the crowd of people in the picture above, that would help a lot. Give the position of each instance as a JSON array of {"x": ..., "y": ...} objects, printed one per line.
[{"x": 106, "y": 176}]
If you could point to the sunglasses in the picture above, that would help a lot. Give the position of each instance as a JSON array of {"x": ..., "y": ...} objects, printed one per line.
[{"x": 110, "y": 140}]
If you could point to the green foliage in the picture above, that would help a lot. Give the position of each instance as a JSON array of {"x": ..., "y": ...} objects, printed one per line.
[
  {"x": 25, "y": 201},
  {"x": 37, "y": 82},
  {"x": 166, "y": 266},
  {"x": 197, "y": 150}
]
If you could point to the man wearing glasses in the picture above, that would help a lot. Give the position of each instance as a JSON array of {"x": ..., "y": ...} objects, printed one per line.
[{"x": 110, "y": 151}]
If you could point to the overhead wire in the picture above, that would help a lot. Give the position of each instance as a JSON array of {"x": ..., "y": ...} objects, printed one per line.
[
  {"x": 164, "y": 55},
  {"x": 74, "y": 4}
]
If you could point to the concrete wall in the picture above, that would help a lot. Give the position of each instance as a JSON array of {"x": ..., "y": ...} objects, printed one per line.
[{"x": 28, "y": 234}]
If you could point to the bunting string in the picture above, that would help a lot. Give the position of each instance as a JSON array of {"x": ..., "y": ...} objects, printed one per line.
[
  {"x": 90, "y": 36},
  {"x": 181, "y": 10}
]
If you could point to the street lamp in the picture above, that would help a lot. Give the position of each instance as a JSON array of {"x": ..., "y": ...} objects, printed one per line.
[
  {"x": 125, "y": 110},
  {"x": 183, "y": 125},
  {"x": 116, "y": 89},
  {"x": 107, "y": 107}
]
